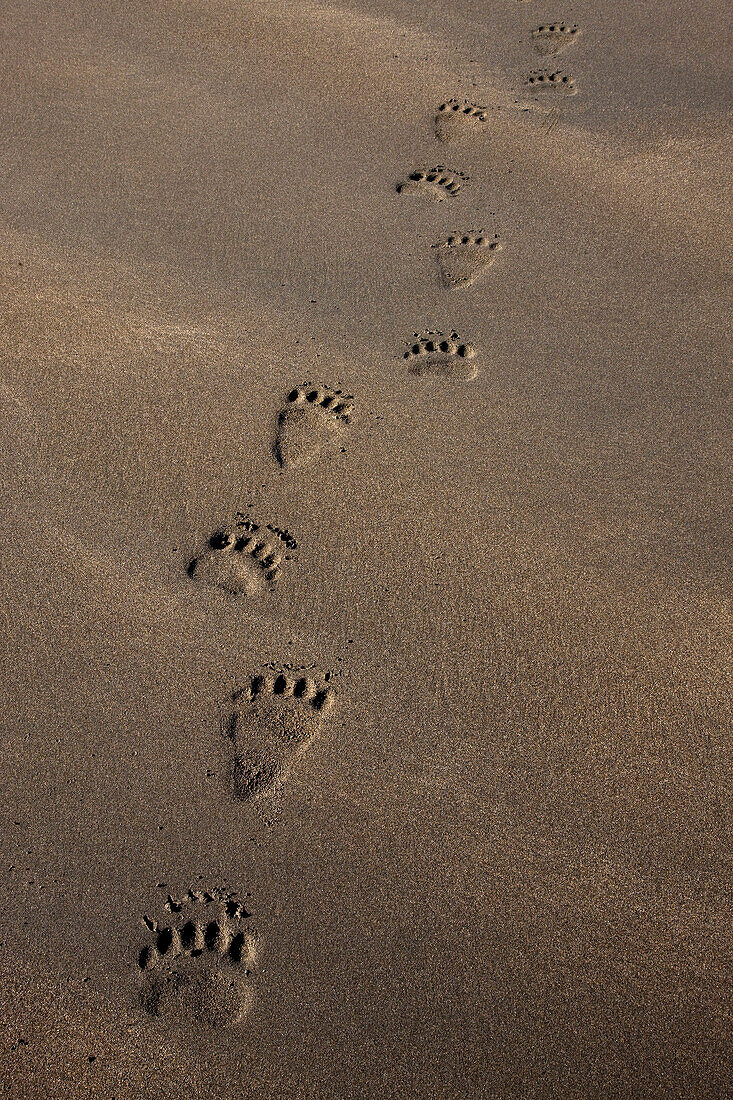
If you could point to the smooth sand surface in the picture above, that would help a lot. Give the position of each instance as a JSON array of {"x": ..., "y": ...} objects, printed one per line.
[{"x": 500, "y": 866}]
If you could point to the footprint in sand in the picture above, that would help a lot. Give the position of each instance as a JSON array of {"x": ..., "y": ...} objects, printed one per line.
[
  {"x": 275, "y": 718},
  {"x": 437, "y": 183},
  {"x": 458, "y": 119},
  {"x": 551, "y": 82},
  {"x": 313, "y": 418},
  {"x": 245, "y": 559},
  {"x": 196, "y": 968},
  {"x": 552, "y": 38},
  {"x": 447, "y": 356},
  {"x": 463, "y": 257}
]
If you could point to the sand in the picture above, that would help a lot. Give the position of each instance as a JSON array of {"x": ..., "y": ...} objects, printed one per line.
[{"x": 367, "y": 705}]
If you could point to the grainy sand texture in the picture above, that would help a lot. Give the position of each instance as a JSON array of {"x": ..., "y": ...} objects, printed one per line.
[{"x": 366, "y": 571}]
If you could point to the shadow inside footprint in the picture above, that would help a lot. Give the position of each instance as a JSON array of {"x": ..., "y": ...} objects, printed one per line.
[
  {"x": 274, "y": 720},
  {"x": 459, "y": 119},
  {"x": 197, "y": 968},
  {"x": 551, "y": 82},
  {"x": 551, "y": 39},
  {"x": 462, "y": 259},
  {"x": 245, "y": 559},
  {"x": 313, "y": 418},
  {"x": 436, "y": 183},
  {"x": 446, "y": 356}
]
